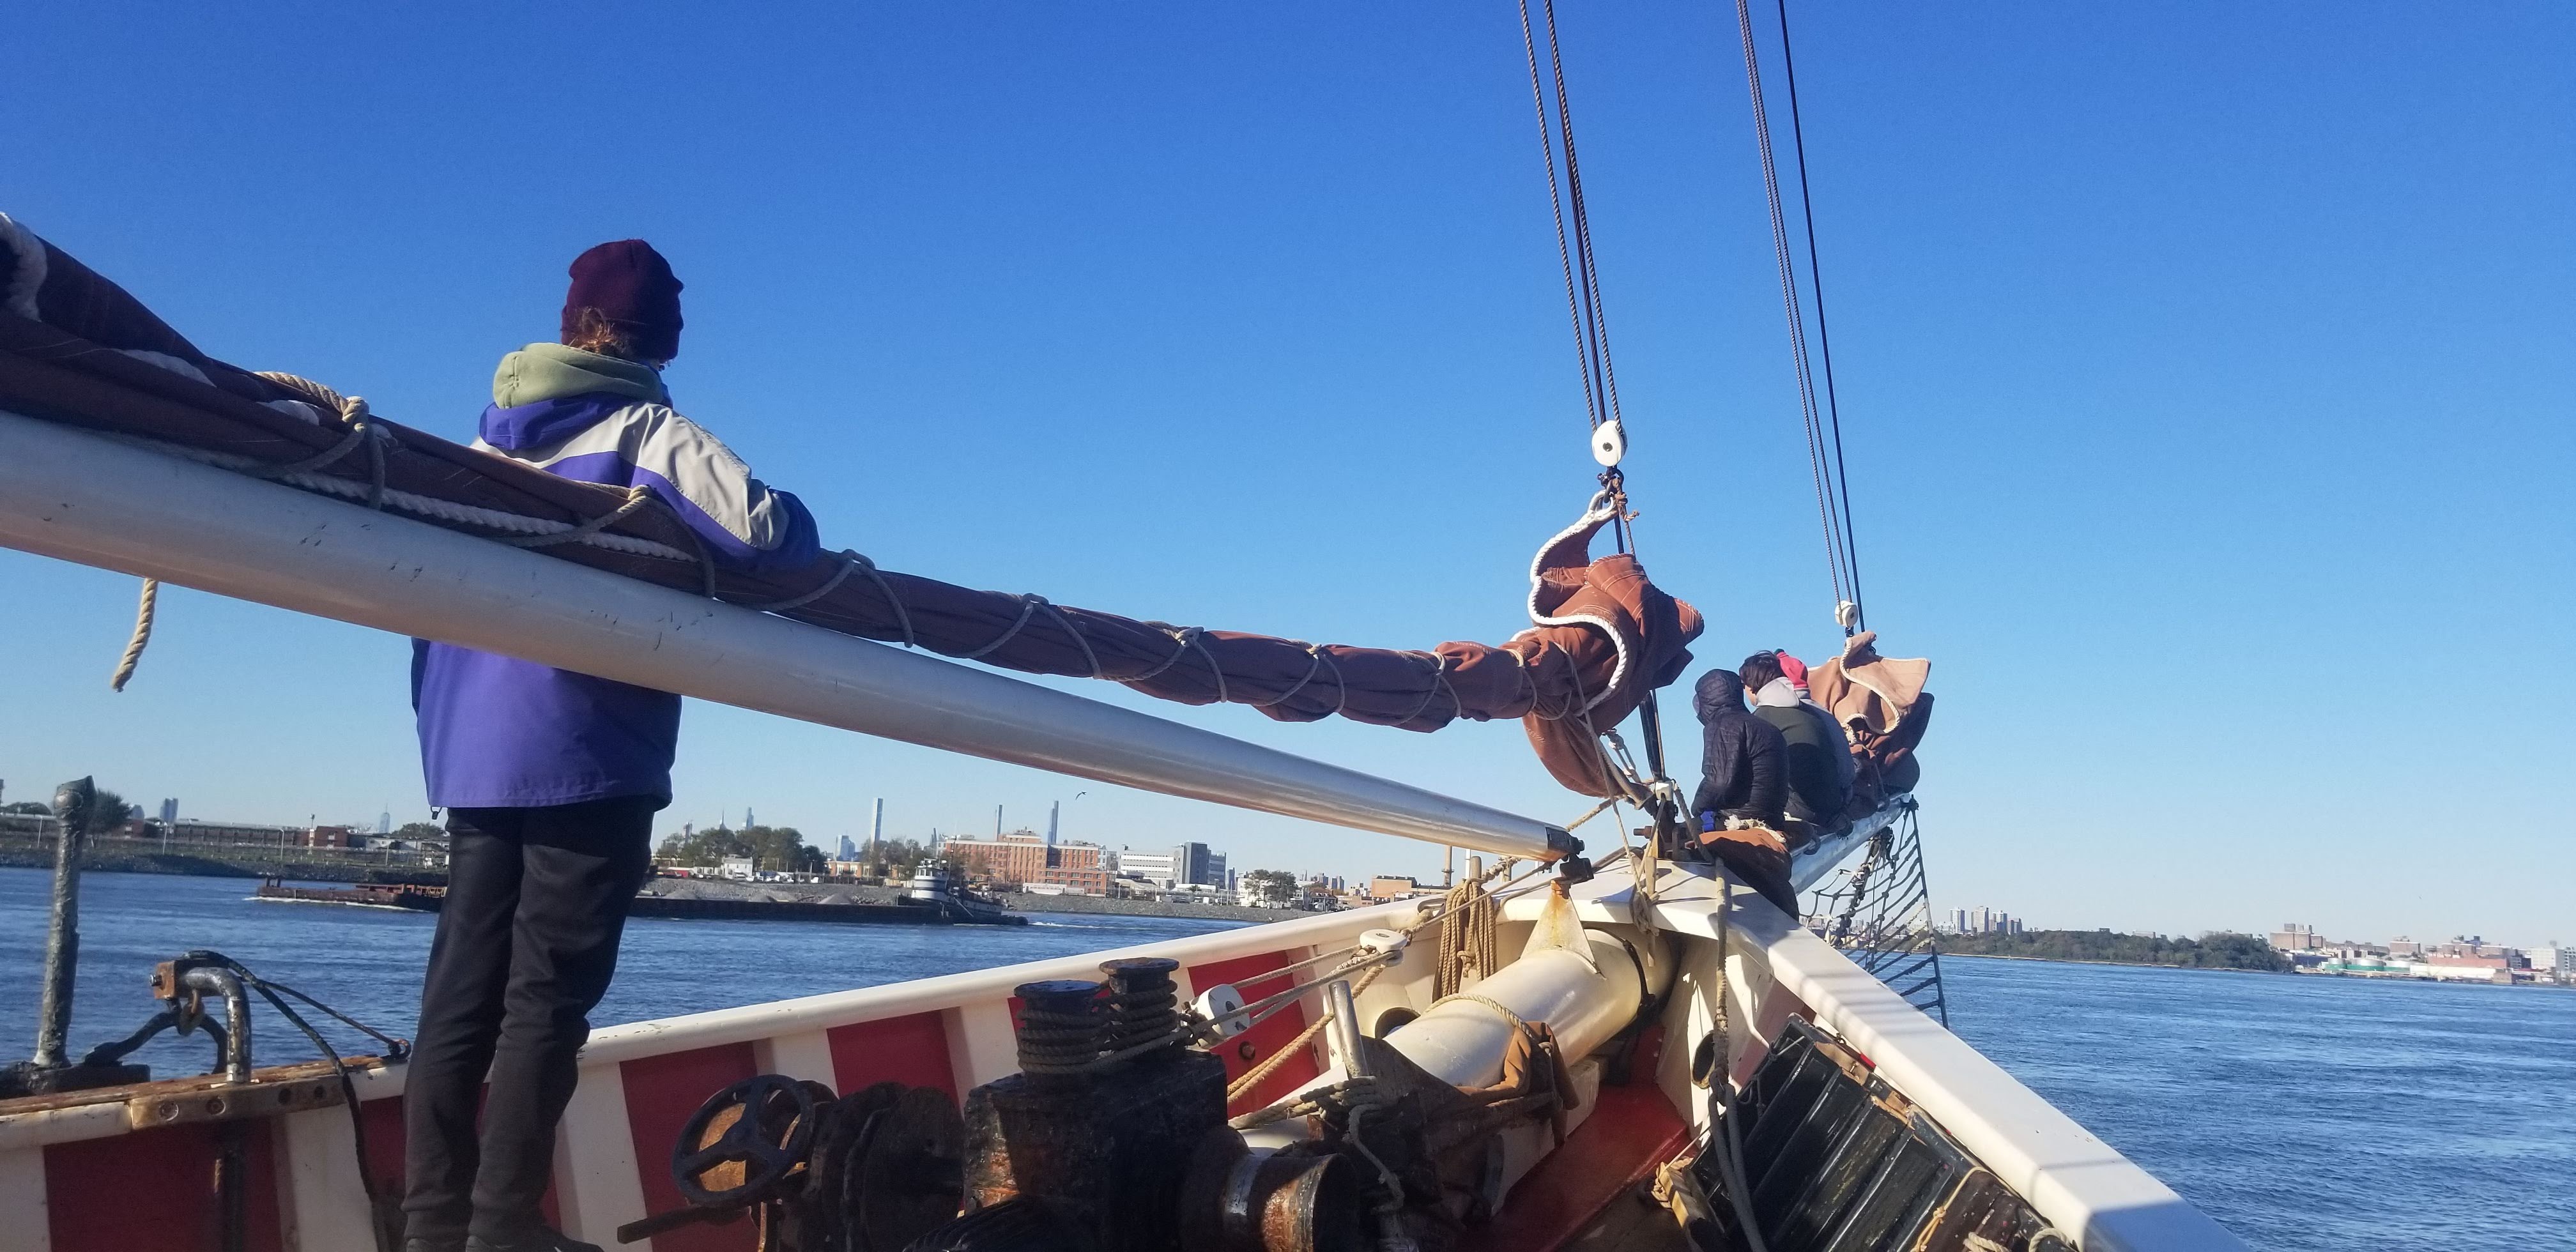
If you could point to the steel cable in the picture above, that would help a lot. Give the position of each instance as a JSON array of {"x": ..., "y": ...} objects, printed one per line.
[
  {"x": 1824, "y": 338},
  {"x": 1809, "y": 413}
]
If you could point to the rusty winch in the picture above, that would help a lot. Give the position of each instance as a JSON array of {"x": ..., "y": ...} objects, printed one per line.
[{"x": 867, "y": 1172}]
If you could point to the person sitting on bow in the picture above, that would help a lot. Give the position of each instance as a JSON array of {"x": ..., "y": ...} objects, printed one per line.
[
  {"x": 1819, "y": 755},
  {"x": 1743, "y": 787}
]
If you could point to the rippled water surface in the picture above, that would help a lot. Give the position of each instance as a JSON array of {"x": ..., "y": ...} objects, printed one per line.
[
  {"x": 2333, "y": 1115},
  {"x": 367, "y": 962}
]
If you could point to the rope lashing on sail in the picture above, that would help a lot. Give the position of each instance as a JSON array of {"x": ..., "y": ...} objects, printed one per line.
[
  {"x": 352, "y": 411},
  {"x": 106, "y": 363},
  {"x": 429, "y": 507},
  {"x": 1822, "y": 421},
  {"x": 637, "y": 497}
]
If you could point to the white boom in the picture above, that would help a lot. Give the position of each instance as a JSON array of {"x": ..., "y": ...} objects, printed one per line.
[{"x": 79, "y": 497}]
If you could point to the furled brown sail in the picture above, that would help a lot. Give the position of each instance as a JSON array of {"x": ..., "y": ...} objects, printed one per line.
[{"x": 78, "y": 349}]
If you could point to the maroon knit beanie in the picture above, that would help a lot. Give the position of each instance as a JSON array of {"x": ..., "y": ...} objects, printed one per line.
[{"x": 632, "y": 286}]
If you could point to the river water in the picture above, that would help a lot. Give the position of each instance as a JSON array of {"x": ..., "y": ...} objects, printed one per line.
[{"x": 2307, "y": 1114}]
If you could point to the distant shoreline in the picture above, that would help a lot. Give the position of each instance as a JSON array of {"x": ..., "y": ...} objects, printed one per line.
[
  {"x": 120, "y": 861},
  {"x": 2073, "y": 960},
  {"x": 2230, "y": 969},
  {"x": 185, "y": 865}
]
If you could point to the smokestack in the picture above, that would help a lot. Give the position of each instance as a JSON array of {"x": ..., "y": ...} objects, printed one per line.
[
  {"x": 997, "y": 821},
  {"x": 1053, "y": 808},
  {"x": 876, "y": 829}
]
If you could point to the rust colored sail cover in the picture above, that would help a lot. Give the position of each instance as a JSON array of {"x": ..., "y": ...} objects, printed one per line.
[{"x": 78, "y": 349}]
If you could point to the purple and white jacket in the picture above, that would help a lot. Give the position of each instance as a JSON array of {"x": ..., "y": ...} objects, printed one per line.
[{"x": 498, "y": 732}]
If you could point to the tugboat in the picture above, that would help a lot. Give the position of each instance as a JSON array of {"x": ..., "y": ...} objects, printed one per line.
[{"x": 934, "y": 887}]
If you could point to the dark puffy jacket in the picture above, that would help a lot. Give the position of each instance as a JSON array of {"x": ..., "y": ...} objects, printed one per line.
[
  {"x": 1743, "y": 763},
  {"x": 1819, "y": 762}
]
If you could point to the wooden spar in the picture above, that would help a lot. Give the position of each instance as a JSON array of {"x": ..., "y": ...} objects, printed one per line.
[{"x": 78, "y": 497}]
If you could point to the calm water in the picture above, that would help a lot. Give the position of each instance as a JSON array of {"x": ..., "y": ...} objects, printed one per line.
[
  {"x": 2333, "y": 1115},
  {"x": 367, "y": 962}
]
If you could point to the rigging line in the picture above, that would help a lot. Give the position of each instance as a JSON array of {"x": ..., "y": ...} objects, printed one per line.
[
  {"x": 1581, "y": 266},
  {"x": 1556, "y": 203},
  {"x": 1824, "y": 338},
  {"x": 1582, "y": 217},
  {"x": 1789, "y": 293}
]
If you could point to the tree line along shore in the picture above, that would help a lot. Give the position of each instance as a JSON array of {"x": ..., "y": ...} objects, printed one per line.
[{"x": 2218, "y": 950}]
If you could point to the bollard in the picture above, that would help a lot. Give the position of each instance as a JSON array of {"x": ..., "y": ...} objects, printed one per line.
[
  {"x": 52, "y": 1069},
  {"x": 72, "y": 803}
]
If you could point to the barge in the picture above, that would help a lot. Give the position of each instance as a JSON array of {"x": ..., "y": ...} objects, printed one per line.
[{"x": 930, "y": 898}]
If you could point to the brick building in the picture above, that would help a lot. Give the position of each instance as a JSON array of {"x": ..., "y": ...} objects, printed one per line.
[{"x": 1024, "y": 857}]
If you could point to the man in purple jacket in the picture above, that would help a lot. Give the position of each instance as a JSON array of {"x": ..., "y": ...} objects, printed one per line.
[{"x": 551, "y": 778}]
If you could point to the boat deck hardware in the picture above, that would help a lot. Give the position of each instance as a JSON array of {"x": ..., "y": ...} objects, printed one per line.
[
  {"x": 51, "y": 1069},
  {"x": 869, "y": 1172},
  {"x": 1836, "y": 1159}
]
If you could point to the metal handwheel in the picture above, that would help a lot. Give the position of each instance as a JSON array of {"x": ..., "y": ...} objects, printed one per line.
[{"x": 745, "y": 1140}]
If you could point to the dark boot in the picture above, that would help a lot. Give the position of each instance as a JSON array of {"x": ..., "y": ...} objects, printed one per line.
[{"x": 539, "y": 1240}]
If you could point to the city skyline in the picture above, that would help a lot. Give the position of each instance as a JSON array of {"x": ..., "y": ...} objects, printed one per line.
[{"x": 1948, "y": 917}]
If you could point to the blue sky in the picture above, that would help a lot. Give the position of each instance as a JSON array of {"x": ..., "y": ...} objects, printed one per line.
[{"x": 2206, "y": 371}]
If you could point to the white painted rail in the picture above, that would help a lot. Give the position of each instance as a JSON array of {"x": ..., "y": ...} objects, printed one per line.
[{"x": 2079, "y": 1183}]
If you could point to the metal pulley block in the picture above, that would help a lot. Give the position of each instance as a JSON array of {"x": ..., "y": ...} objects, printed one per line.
[
  {"x": 1383, "y": 941},
  {"x": 1223, "y": 1005},
  {"x": 1609, "y": 443}
]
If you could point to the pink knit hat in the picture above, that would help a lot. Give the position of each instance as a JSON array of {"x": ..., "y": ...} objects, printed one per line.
[{"x": 1793, "y": 669}]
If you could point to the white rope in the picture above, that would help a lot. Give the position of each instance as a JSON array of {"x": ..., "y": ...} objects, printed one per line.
[
  {"x": 141, "y": 638},
  {"x": 1089, "y": 657},
  {"x": 840, "y": 574},
  {"x": 425, "y": 506},
  {"x": 637, "y": 497},
  {"x": 1341, "y": 686},
  {"x": 1028, "y": 605},
  {"x": 1193, "y": 637},
  {"x": 1314, "y": 666}
]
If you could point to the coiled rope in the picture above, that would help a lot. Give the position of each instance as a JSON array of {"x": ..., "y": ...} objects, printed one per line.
[
  {"x": 1451, "y": 924},
  {"x": 1468, "y": 951}
]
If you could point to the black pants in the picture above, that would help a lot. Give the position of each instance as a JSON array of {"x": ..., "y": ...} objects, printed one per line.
[{"x": 527, "y": 941}]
